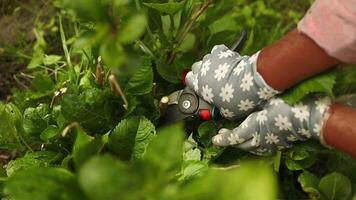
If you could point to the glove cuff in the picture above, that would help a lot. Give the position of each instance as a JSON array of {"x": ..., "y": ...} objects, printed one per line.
[
  {"x": 258, "y": 77},
  {"x": 321, "y": 111},
  {"x": 324, "y": 119}
]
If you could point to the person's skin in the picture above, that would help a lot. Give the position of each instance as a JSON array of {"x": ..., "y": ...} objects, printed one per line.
[
  {"x": 292, "y": 59},
  {"x": 340, "y": 129},
  {"x": 298, "y": 57}
]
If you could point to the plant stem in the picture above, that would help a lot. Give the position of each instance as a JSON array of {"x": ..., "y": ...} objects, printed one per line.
[
  {"x": 115, "y": 86},
  {"x": 145, "y": 49},
  {"x": 64, "y": 45},
  {"x": 70, "y": 127},
  {"x": 186, "y": 28}
]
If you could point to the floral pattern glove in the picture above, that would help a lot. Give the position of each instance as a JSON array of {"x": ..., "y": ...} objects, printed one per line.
[
  {"x": 230, "y": 82},
  {"x": 277, "y": 126}
]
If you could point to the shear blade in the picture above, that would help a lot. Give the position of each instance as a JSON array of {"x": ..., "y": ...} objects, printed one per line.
[{"x": 171, "y": 115}]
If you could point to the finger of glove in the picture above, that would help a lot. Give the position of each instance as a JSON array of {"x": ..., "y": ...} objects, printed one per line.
[
  {"x": 228, "y": 137},
  {"x": 247, "y": 145},
  {"x": 192, "y": 81},
  {"x": 219, "y": 48},
  {"x": 196, "y": 67}
]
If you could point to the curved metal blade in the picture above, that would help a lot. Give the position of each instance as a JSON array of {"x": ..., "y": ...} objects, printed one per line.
[{"x": 171, "y": 115}]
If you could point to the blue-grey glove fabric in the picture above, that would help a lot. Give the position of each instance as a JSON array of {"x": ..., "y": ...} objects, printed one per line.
[
  {"x": 230, "y": 82},
  {"x": 277, "y": 126}
]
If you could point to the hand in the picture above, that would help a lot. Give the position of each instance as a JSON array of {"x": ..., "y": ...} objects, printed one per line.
[
  {"x": 277, "y": 126},
  {"x": 230, "y": 82}
]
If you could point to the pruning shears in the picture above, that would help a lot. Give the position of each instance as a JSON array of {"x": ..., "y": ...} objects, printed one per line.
[{"x": 185, "y": 104}]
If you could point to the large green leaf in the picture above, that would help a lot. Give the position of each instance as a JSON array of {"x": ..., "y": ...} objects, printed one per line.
[
  {"x": 250, "y": 181},
  {"x": 85, "y": 147},
  {"x": 106, "y": 178},
  {"x": 43, "y": 184},
  {"x": 141, "y": 82},
  {"x": 335, "y": 186},
  {"x": 10, "y": 126},
  {"x": 133, "y": 28},
  {"x": 130, "y": 137},
  {"x": 31, "y": 159},
  {"x": 165, "y": 151},
  {"x": 323, "y": 83}
]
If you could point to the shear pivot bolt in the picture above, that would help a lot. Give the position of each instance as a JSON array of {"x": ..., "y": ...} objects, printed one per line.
[{"x": 186, "y": 104}]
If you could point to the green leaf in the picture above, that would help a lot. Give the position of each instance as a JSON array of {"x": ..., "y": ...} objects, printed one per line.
[
  {"x": 192, "y": 165},
  {"x": 32, "y": 159},
  {"x": 112, "y": 54},
  {"x": 323, "y": 83},
  {"x": 85, "y": 147},
  {"x": 250, "y": 181},
  {"x": 346, "y": 80},
  {"x": 132, "y": 29},
  {"x": 51, "y": 59},
  {"x": 142, "y": 81},
  {"x": 192, "y": 169},
  {"x": 309, "y": 183},
  {"x": 43, "y": 184},
  {"x": 50, "y": 132},
  {"x": 206, "y": 131},
  {"x": 91, "y": 10},
  {"x": 165, "y": 151},
  {"x": 166, "y": 8},
  {"x": 188, "y": 43},
  {"x": 105, "y": 178},
  {"x": 225, "y": 23},
  {"x": 166, "y": 26},
  {"x": 35, "y": 120},
  {"x": 10, "y": 126},
  {"x": 97, "y": 111},
  {"x": 43, "y": 83},
  {"x": 335, "y": 186},
  {"x": 37, "y": 59},
  {"x": 168, "y": 72},
  {"x": 130, "y": 138}
]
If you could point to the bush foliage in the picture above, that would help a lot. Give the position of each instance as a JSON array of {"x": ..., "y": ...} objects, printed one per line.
[{"x": 85, "y": 127}]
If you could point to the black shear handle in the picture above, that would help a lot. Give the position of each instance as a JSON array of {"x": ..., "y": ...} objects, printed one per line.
[{"x": 238, "y": 45}]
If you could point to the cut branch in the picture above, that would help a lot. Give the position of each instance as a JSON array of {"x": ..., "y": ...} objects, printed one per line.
[
  {"x": 99, "y": 73},
  {"x": 70, "y": 127},
  {"x": 115, "y": 87}
]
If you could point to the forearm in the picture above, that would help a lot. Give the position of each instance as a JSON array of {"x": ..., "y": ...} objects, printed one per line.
[
  {"x": 340, "y": 130},
  {"x": 291, "y": 60}
]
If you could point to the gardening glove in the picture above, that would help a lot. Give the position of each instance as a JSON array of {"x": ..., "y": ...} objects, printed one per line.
[
  {"x": 230, "y": 82},
  {"x": 277, "y": 125}
]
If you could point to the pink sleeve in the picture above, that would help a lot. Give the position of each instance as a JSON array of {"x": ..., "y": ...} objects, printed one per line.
[{"x": 332, "y": 25}]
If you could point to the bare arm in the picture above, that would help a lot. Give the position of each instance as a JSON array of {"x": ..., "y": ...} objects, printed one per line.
[
  {"x": 340, "y": 129},
  {"x": 291, "y": 60}
]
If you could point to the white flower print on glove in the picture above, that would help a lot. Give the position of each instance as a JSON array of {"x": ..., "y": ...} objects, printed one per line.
[
  {"x": 230, "y": 82},
  {"x": 277, "y": 126}
]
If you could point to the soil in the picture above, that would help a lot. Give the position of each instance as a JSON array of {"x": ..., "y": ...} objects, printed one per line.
[{"x": 17, "y": 21}]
